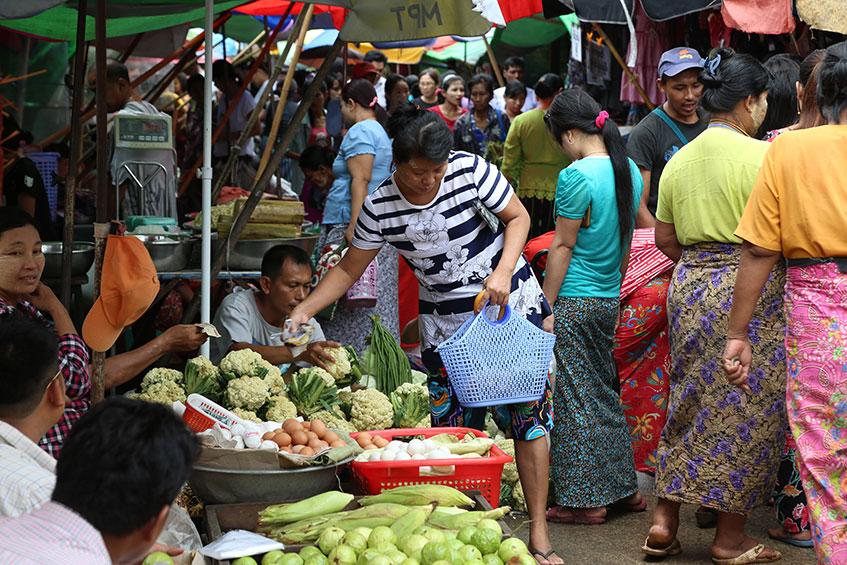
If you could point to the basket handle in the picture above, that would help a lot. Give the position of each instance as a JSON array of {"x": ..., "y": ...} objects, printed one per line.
[{"x": 479, "y": 305}]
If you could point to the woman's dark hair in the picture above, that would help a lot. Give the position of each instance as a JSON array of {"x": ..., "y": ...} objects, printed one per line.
[
  {"x": 315, "y": 156},
  {"x": 782, "y": 94},
  {"x": 548, "y": 85},
  {"x": 729, "y": 77},
  {"x": 419, "y": 133},
  {"x": 391, "y": 81},
  {"x": 810, "y": 113},
  {"x": 484, "y": 80},
  {"x": 13, "y": 218},
  {"x": 431, "y": 73},
  {"x": 330, "y": 80},
  {"x": 450, "y": 79},
  {"x": 224, "y": 69},
  {"x": 832, "y": 83},
  {"x": 363, "y": 93},
  {"x": 575, "y": 109},
  {"x": 514, "y": 88}
]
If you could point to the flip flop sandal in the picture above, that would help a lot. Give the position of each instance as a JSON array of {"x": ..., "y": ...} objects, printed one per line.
[
  {"x": 750, "y": 556},
  {"x": 544, "y": 555},
  {"x": 804, "y": 543},
  {"x": 572, "y": 517},
  {"x": 673, "y": 549}
]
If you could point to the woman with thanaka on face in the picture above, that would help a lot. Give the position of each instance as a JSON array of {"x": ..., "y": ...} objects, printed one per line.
[{"x": 453, "y": 91}]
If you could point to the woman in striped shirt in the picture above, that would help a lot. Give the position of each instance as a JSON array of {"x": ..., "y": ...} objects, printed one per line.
[{"x": 461, "y": 228}]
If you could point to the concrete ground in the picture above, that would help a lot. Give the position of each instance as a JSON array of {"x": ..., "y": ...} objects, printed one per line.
[{"x": 618, "y": 541}]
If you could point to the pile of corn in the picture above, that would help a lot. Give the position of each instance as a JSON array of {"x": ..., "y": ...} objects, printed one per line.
[
  {"x": 272, "y": 219},
  {"x": 403, "y": 509}
]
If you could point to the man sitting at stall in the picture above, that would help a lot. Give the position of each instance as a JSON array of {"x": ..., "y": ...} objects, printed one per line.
[
  {"x": 118, "y": 474},
  {"x": 255, "y": 319}
]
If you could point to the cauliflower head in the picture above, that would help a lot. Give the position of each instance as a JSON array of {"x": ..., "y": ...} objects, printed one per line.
[
  {"x": 510, "y": 470},
  {"x": 280, "y": 409},
  {"x": 334, "y": 420},
  {"x": 325, "y": 377},
  {"x": 164, "y": 392},
  {"x": 276, "y": 384},
  {"x": 244, "y": 363},
  {"x": 159, "y": 375},
  {"x": 248, "y": 415},
  {"x": 371, "y": 410},
  {"x": 249, "y": 393},
  {"x": 340, "y": 366},
  {"x": 410, "y": 403}
]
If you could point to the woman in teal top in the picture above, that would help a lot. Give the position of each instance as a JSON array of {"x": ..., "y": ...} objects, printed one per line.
[
  {"x": 597, "y": 197},
  {"x": 363, "y": 162}
]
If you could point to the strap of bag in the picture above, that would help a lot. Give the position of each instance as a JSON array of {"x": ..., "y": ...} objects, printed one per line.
[{"x": 671, "y": 124}]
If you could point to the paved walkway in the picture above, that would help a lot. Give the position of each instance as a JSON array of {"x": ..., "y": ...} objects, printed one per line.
[{"x": 618, "y": 541}]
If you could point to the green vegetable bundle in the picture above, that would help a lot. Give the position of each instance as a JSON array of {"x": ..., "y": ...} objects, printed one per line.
[
  {"x": 311, "y": 393},
  {"x": 202, "y": 377},
  {"x": 385, "y": 359},
  {"x": 411, "y": 405}
]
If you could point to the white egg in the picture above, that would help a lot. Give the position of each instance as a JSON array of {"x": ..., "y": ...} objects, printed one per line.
[
  {"x": 397, "y": 444},
  {"x": 268, "y": 444},
  {"x": 415, "y": 447},
  {"x": 402, "y": 456},
  {"x": 388, "y": 455},
  {"x": 375, "y": 456},
  {"x": 252, "y": 440},
  {"x": 439, "y": 453},
  {"x": 429, "y": 445},
  {"x": 418, "y": 457},
  {"x": 238, "y": 430}
]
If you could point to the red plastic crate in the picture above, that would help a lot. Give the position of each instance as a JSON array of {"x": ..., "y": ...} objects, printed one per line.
[{"x": 474, "y": 473}]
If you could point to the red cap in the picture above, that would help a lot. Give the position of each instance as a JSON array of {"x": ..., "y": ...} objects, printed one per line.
[{"x": 363, "y": 69}]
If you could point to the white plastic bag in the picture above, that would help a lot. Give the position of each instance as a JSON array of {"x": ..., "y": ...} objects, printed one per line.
[{"x": 239, "y": 543}]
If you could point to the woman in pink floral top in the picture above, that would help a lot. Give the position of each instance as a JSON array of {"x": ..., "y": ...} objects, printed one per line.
[{"x": 23, "y": 293}]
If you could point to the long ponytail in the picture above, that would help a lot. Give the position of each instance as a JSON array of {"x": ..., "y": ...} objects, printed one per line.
[{"x": 575, "y": 109}]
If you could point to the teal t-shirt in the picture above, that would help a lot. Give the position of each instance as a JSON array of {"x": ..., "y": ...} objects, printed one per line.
[{"x": 594, "y": 269}]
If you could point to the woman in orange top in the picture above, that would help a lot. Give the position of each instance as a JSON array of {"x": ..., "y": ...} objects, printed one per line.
[{"x": 798, "y": 210}]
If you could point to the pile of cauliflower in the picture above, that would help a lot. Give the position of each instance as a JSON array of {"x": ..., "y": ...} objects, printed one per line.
[{"x": 161, "y": 385}]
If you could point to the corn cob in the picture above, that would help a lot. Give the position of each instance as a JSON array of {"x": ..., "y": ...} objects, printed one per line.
[
  {"x": 411, "y": 521},
  {"x": 309, "y": 530},
  {"x": 320, "y": 505},
  {"x": 447, "y": 521},
  {"x": 417, "y": 495}
]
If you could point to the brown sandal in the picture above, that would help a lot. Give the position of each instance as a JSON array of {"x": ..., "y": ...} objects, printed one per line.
[{"x": 673, "y": 549}]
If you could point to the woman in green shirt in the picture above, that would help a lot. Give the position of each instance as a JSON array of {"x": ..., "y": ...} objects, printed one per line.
[
  {"x": 596, "y": 200},
  {"x": 532, "y": 159}
]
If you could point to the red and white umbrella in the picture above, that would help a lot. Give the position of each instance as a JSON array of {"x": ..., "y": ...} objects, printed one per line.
[{"x": 501, "y": 12}]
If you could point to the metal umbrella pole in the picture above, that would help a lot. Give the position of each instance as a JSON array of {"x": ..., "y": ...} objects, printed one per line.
[{"x": 206, "y": 180}]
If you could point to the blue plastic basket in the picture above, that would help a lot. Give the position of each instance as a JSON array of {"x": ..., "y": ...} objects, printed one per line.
[
  {"x": 490, "y": 363},
  {"x": 47, "y": 163}
]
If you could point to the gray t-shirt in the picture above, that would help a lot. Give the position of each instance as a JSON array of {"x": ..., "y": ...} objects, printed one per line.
[
  {"x": 239, "y": 321},
  {"x": 652, "y": 143}
]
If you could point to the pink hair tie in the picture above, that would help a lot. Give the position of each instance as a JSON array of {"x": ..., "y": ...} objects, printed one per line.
[
  {"x": 601, "y": 118},
  {"x": 373, "y": 102}
]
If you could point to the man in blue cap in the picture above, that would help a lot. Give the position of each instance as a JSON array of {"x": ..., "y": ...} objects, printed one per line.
[{"x": 670, "y": 126}]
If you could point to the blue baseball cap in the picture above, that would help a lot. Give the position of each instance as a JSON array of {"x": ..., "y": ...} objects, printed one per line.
[{"x": 679, "y": 59}]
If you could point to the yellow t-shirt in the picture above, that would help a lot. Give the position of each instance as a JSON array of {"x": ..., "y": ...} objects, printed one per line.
[
  {"x": 705, "y": 186},
  {"x": 799, "y": 203}
]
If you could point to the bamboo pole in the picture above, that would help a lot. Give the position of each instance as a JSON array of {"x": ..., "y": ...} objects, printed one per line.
[
  {"x": 189, "y": 45},
  {"x": 280, "y": 151},
  {"x": 76, "y": 142},
  {"x": 494, "y": 65},
  {"x": 130, "y": 48},
  {"x": 630, "y": 75},
  {"x": 101, "y": 226},
  {"x": 260, "y": 104},
  {"x": 283, "y": 96},
  {"x": 244, "y": 53}
]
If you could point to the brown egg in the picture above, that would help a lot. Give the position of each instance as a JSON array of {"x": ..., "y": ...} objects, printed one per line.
[
  {"x": 318, "y": 427},
  {"x": 380, "y": 441},
  {"x": 338, "y": 443},
  {"x": 297, "y": 448},
  {"x": 291, "y": 425},
  {"x": 282, "y": 439},
  {"x": 364, "y": 439},
  {"x": 307, "y": 452},
  {"x": 307, "y": 425},
  {"x": 286, "y": 449},
  {"x": 315, "y": 444},
  {"x": 268, "y": 435},
  {"x": 299, "y": 438},
  {"x": 330, "y": 436}
]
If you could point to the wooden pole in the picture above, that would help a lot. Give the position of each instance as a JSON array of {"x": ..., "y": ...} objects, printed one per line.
[
  {"x": 244, "y": 53},
  {"x": 630, "y": 75},
  {"x": 496, "y": 67},
  {"x": 130, "y": 48},
  {"x": 280, "y": 151},
  {"x": 101, "y": 226},
  {"x": 76, "y": 142},
  {"x": 257, "y": 111},
  {"x": 189, "y": 45},
  {"x": 283, "y": 96}
]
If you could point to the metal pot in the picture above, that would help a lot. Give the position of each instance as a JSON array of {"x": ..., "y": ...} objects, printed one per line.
[
  {"x": 82, "y": 257},
  {"x": 247, "y": 253},
  {"x": 169, "y": 252}
]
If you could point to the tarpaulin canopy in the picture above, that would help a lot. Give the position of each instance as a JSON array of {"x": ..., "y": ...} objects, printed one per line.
[
  {"x": 124, "y": 18},
  {"x": 661, "y": 10},
  {"x": 530, "y": 32},
  {"x": 611, "y": 11}
]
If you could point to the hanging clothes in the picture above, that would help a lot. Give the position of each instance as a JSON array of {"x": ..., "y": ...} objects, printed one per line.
[
  {"x": 652, "y": 41},
  {"x": 771, "y": 17},
  {"x": 827, "y": 15}
]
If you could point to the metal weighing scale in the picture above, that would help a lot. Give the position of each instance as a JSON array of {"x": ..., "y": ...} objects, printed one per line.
[{"x": 144, "y": 155}]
